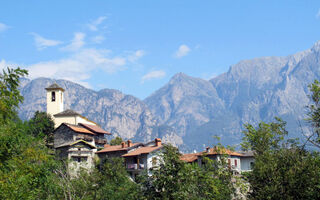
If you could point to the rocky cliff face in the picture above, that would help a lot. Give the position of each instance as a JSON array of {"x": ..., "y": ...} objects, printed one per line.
[{"x": 188, "y": 111}]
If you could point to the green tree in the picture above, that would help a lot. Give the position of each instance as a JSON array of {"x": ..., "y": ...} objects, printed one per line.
[
  {"x": 25, "y": 164},
  {"x": 41, "y": 125},
  {"x": 110, "y": 182},
  {"x": 116, "y": 141},
  {"x": 9, "y": 93},
  {"x": 314, "y": 113},
  {"x": 175, "y": 179},
  {"x": 282, "y": 169},
  {"x": 265, "y": 137}
]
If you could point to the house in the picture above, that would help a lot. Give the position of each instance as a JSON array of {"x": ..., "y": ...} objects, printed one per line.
[
  {"x": 137, "y": 156},
  {"x": 117, "y": 150},
  {"x": 247, "y": 161},
  {"x": 75, "y": 137},
  {"x": 143, "y": 158},
  {"x": 237, "y": 162},
  {"x": 67, "y": 133},
  {"x": 233, "y": 158},
  {"x": 80, "y": 153}
]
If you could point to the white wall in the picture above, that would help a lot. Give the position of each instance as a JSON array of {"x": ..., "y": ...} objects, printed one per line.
[
  {"x": 70, "y": 120},
  {"x": 83, "y": 120},
  {"x": 246, "y": 163},
  {"x": 64, "y": 119},
  {"x": 55, "y": 107}
]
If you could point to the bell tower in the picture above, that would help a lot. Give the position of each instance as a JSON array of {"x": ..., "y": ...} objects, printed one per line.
[{"x": 54, "y": 99}]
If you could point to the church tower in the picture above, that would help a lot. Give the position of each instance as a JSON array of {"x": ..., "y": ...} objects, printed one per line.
[{"x": 54, "y": 99}]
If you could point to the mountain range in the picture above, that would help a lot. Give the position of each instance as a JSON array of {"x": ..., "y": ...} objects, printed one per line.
[{"x": 189, "y": 111}]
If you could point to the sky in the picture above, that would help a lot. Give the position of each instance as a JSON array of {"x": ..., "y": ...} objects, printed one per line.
[{"x": 137, "y": 46}]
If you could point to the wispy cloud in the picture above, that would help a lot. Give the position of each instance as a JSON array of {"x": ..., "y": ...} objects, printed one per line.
[
  {"x": 42, "y": 43},
  {"x": 76, "y": 43},
  {"x": 93, "y": 26},
  {"x": 4, "y": 64},
  {"x": 318, "y": 14},
  {"x": 153, "y": 75},
  {"x": 79, "y": 66},
  {"x": 182, "y": 51},
  {"x": 136, "y": 55},
  {"x": 98, "y": 39},
  {"x": 3, "y": 27}
]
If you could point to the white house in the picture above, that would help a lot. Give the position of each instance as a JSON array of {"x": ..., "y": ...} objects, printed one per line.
[
  {"x": 237, "y": 162},
  {"x": 138, "y": 157}
]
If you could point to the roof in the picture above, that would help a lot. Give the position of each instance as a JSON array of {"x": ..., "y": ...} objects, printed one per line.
[
  {"x": 67, "y": 112},
  {"x": 54, "y": 87},
  {"x": 247, "y": 153},
  {"x": 215, "y": 151},
  {"x": 78, "y": 129},
  {"x": 191, "y": 157},
  {"x": 117, "y": 148},
  {"x": 142, "y": 150},
  {"x": 76, "y": 142},
  {"x": 95, "y": 129}
]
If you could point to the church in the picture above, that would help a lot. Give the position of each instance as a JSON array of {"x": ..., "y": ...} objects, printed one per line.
[{"x": 76, "y": 138}]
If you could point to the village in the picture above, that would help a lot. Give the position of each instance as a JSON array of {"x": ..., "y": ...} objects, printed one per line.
[{"x": 79, "y": 140}]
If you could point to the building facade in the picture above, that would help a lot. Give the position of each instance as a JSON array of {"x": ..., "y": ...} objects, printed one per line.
[{"x": 76, "y": 139}]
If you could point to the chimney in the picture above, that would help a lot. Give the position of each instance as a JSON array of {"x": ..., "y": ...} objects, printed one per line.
[
  {"x": 158, "y": 142},
  {"x": 129, "y": 143},
  {"x": 123, "y": 144},
  {"x": 207, "y": 149}
]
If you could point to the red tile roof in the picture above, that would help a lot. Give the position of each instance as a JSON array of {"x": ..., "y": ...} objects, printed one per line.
[
  {"x": 142, "y": 150},
  {"x": 212, "y": 151},
  {"x": 95, "y": 128},
  {"x": 116, "y": 148},
  {"x": 78, "y": 129},
  {"x": 191, "y": 157},
  {"x": 216, "y": 151}
]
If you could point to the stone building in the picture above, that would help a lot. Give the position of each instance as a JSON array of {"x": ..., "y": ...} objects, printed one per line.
[{"x": 76, "y": 138}]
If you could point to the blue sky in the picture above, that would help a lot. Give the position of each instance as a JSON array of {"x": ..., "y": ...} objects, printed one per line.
[{"x": 137, "y": 46}]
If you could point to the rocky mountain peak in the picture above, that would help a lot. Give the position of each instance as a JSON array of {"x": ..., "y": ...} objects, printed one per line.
[
  {"x": 316, "y": 46},
  {"x": 178, "y": 77}
]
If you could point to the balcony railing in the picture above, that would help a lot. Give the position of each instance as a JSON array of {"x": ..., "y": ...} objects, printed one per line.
[
  {"x": 135, "y": 166},
  {"x": 101, "y": 141},
  {"x": 84, "y": 137}
]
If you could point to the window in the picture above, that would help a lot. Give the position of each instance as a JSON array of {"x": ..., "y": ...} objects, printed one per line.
[
  {"x": 251, "y": 165},
  {"x": 154, "y": 161},
  {"x": 79, "y": 159},
  {"x": 53, "y": 96},
  {"x": 235, "y": 162}
]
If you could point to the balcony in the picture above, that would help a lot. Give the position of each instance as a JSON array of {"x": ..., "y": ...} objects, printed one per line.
[
  {"x": 135, "y": 166},
  {"x": 84, "y": 137},
  {"x": 101, "y": 141}
]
